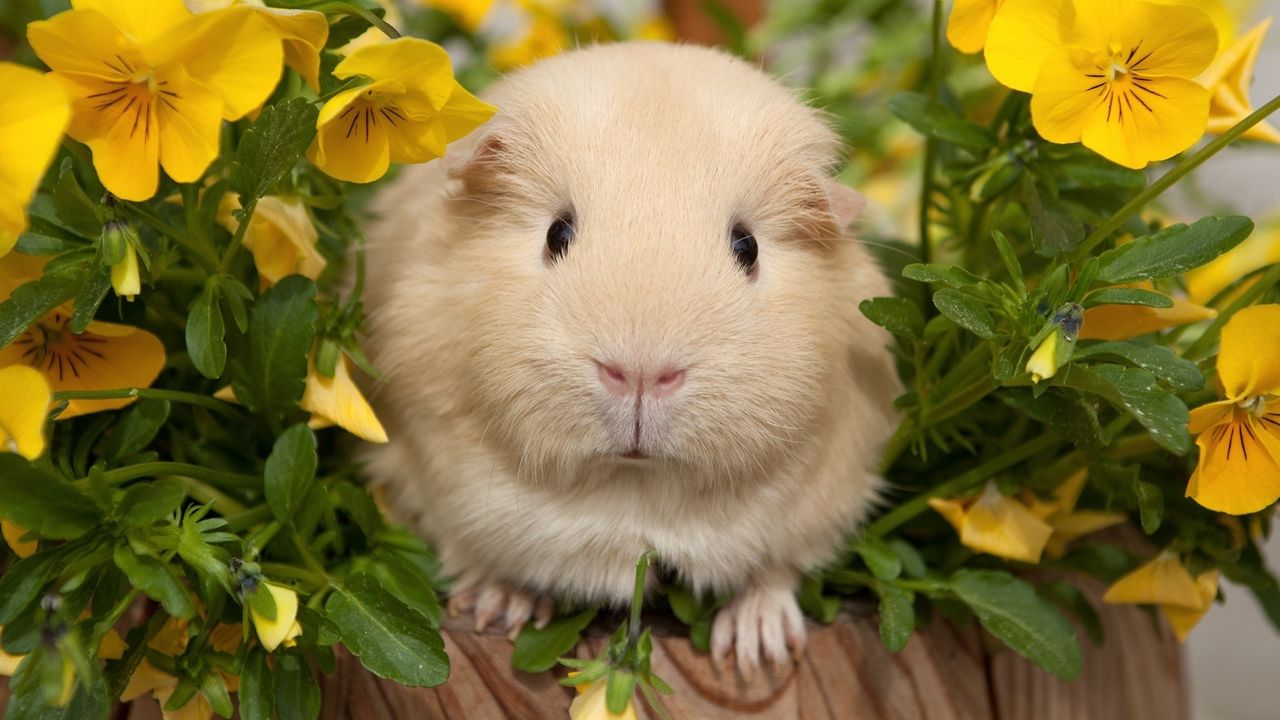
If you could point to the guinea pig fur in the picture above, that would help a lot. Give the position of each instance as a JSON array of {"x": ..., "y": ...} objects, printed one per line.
[{"x": 579, "y": 365}]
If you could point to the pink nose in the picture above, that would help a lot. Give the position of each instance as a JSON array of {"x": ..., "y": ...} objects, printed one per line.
[{"x": 624, "y": 383}]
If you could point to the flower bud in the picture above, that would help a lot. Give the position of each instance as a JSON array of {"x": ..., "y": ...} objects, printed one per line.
[
  {"x": 1058, "y": 346},
  {"x": 114, "y": 242},
  {"x": 124, "y": 275},
  {"x": 284, "y": 629}
]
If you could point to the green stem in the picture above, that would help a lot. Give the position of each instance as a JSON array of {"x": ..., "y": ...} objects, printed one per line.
[
  {"x": 891, "y": 520},
  {"x": 293, "y": 572},
  {"x": 963, "y": 400},
  {"x": 1179, "y": 171},
  {"x": 200, "y": 254},
  {"x": 342, "y": 8},
  {"x": 637, "y": 599},
  {"x": 205, "y": 494},
  {"x": 308, "y": 557},
  {"x": 1201, "y": 347},
  {"x": 238, "y": 238},
  {"x": 248, "y": 518},
  {"x": 259, "y": 540},
  {"x": 154, "y": 469},
  {"x": 931, "y": 145},
  {"x": 203, "y": 401}
]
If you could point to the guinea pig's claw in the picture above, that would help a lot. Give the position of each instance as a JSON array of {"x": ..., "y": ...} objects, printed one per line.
[
  {"x": 759, "y": 624},
  {"x": 544, "y": 612},
  {"x": 491, "y": 602}
]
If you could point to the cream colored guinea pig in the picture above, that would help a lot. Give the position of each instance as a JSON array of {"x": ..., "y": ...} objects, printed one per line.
[{"x": 624, "y": 316}]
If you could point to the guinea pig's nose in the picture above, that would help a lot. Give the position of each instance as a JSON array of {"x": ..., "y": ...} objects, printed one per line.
[{"x": 623, "y": 383}]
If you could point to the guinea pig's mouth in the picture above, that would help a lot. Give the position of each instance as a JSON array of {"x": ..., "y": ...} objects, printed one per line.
[{"x": 633, "y": 455}]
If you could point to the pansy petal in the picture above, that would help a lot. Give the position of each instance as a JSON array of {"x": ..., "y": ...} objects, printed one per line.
[
  {"x": 233, "y": 52},
  {"x": 968, "y": 24},
  {"x": 1208, "y": 416},
  {"x": 143, "y": 21},
  {"x": 415, "y": 141},
  {"x": 1182, "y": 619},
  {"x": 1153, "y": 119},
  {"x": 951, "y": 510},
  {"x": 337, "y": 106},
  {"x": 1163, "y": 580},
  {"x": 190, "y": 127},
  {"x": 1229, "y": 78},
  {"x": 304, "y": 33},
  {"x": 338, "y": 400},
  {"x": 86, "y": 42},
  {"x": 1023, "y": 34},
  {"x": 33, "y": 113},
  {"x": 1001, "y": 526},
  {"x": 26, "y": 396},
  {"x": 147, "y": 678},
  {"x": 354, "y": 149},
  {"x": 1239, "y": 467},
  {"x": 1260, "y": 249},
  {"x": 272, "y": 632},
  {"x": 1122, "y": 322},
  {"x": 14, "y": 537},
  {"x": 1064, "y": 96},
  {"x": 283, "y": 240},
  {"x": 463, "y": 113},
  {"x": 127, "y": 156},
  {"x": 1249, "y": 358},
  {"x": 419, "y": 64},
  {"x": 1155, "y": 40}
]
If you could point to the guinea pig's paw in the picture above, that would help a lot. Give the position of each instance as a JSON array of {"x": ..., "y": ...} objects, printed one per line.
[
  {"x": 760, "y": 621},
  {"x": 494, "y": 601}
]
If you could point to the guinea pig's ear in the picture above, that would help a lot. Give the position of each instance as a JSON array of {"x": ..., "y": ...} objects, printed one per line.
[
  {"x": 846, "y": 203},
  {"x": 484, "y": 147}
]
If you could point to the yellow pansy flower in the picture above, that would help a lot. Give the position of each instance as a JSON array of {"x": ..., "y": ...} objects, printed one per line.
[
  {"x": 1166, "y": 582},
  {"x": 1228, "y": 80},
  {"x": 410, "y": 110},
  {"x": 106, "y": 356},
  {"x": 1259, "y": 250},
  {"x": 150, "y": 83},
  {"x": 1239, "y": 438},
  {"x": 13, "y": 537},
  {"x": 280, "y": 236},
  {"x": 591, "y": 703},
  {"x": 469, "y": 14},
  {"x": 284, "y": 629},
  {"x": 33, "y": 113},
  {"x": 22, "y": 414},
  {"x": 303, "y": 33},
  {"x": 968, "y": 23},
  {"x": 337, "y": 401},
  {"x": 1043, "y": 363},
  {"x": 1113, "y": 74},
  {"x": 993, "y": 523}
]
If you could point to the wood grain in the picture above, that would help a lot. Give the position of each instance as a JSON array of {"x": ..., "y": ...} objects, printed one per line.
[{"x": 945, "y": 673}]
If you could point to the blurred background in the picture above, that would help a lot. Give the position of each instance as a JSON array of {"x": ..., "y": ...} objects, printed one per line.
[{"x": 848, "y": 57}]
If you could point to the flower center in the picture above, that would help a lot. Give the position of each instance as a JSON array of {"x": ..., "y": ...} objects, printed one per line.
[
  {"x": 1255, "y": 406},
  {"x": 366, "y": 112},
  {"x": 51, "y": 346}
]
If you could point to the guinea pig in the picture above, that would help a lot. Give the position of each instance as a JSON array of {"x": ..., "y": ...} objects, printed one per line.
[{"x": 622, "y": 316}]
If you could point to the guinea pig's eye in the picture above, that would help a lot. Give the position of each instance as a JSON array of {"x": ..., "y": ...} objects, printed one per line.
[
  {"x": 559, "y": 235},
  {"x": 744, "y": 247}
]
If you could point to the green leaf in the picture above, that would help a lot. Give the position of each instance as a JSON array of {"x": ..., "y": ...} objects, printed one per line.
[
  {"x": 97, "y": 281},
  {"x": 934, "y": 120},
  {"x": 281, "y": 328},
  {"x": 1066, "y": 411},
  {"x": 897, "y": 616},
  {"x": 537, "y": 650},
  {"x": 214, "y": 689},
  {"x": 824, "y": 608},
  {"x": 899, "y": 316},
  {"x": 205, "y": 333},
  {"x": 407, "y": 582},
  {"x": 72, "y": 205},
  {"x": 271, "y": 147},
  {"x": 1137, "y": 390},
  {"x": 1176, "y": 372},
  {"x": 41, "y": 502},
  {"x": 619, "y": 690},
  {"x": 22, "y": 582},
  {"x": 118, "y": 672},
  {"x": 1173, "y": 250},
  {"x": 912, "y": 562},
  {"x": 136, "y": 429},
  {"x": 881, "y": 560},
  {"x": 297, "y": 695},
  {"x": 967, "y": 312},
  {"x": 1011, "y": 610},
  {"x": 1088, "y": 171},
  {"x": 1105, "y": 562},
  {"x": 289, "y": 471},
  {"x": 147, "y": 503},
  {"x": 157, "y": 580},
  {"x": 1010, "y": 260},
  {"x": 1150, "y": 505},
  {"x": 948, "y": 275},
  {"x": 1127, "y": 296},
  {"x": 389, "y": 638}
]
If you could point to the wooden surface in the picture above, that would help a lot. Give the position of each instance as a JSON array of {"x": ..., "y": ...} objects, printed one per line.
[{"x": 943, "y": 674}]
